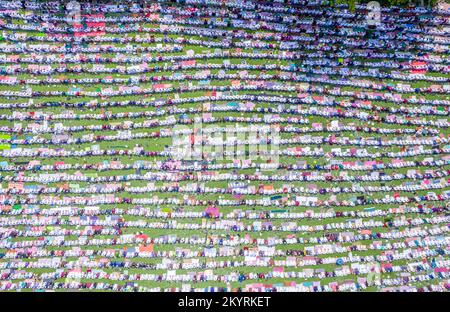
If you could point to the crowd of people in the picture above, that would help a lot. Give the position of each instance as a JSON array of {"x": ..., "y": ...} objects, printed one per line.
[{"x": 92, "y": 191}]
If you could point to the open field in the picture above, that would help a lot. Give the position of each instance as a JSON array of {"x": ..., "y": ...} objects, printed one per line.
[{"x": 94, "y": 195}]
